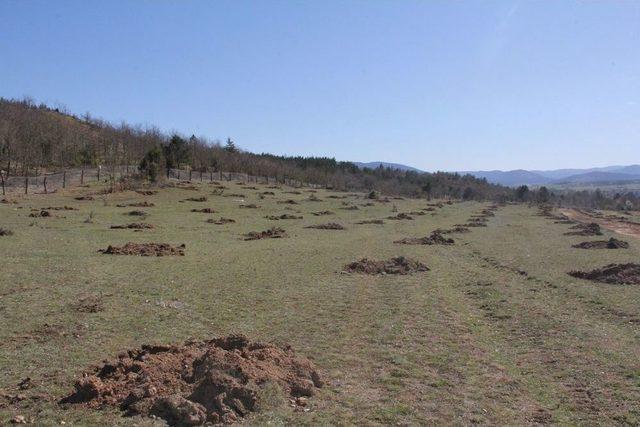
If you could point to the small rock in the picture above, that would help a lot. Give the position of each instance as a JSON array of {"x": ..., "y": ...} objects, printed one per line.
[{"x": 19, "y": 419}]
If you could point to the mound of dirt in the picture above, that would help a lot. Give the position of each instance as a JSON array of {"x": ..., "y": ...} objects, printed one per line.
[
  {"x": 283, "y": 216},
  {"x": 61, "y": 208},
  {"x": 203, "y": 210},
  {"x": 591, "y": 229},
  {"x": 287, "y": 202},
  {"x": 564, "y": 221},
  {"x": 216, "y": 381},
  {"x": 434, "y": 239},
  {"x": 313, "y": 198},
  {"x": 398, "y": 265},
  {"x": 41, "y": 214},
  {"x": 272, "y": 233},
  {"x": 250, "y": 206},
  {"x": 240, "y": 196},
  {"x": 327, "y": 226},
  {"x": 618, "y": 274},
  {"x": 5, "y": 232},
  {"x": 221, "y": 221},
  {"x": 400, "y": 216},
  {"x": 250, "y": 188},
  {"x": 133, "y": 225},
  {"x": 417, "y": 213},
  {"x": 350, "y": 208},
  {"x": 292, "y": 192},
  {"x": 322, "y": 213},
  {"x": 136, "y": 213},
  {"x": 8, "y": 202},
  {"x": 147, "y": 192},
  {"x": 612, "y": 243},
  {"x": 268, "y": 193},
  {"x": 455, "y": 229},
  {"x": 144, "y": 204},
  {"x": 371, "y": 221},
  {"x": 428, "y": 209},
  {"x": 368, "y": 204},
  {"x": 144, "y": 249},
  {"x": 471, "y": 224},
  {"x": 478, "y": 219},
  {"x": 195, "y": 199},
  {"x": 84, "y": 198}
]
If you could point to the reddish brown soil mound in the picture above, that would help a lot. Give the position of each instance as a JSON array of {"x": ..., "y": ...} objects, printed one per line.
[
  {"x": 272, "y": 233},
  {"x": 250, "y": 206},
  {"x": 136, "y": 213},
  {"x": 84, "y": 198},
  {"x": 221, "y": 221},
  {"x": 400, "y": 216},
  {"x": 612, "y": 243},
  {"x": 203, "y": 210},
  {"x": 195, "y": 199},
  {"x": 144, "y": 204},
  {"x": 61, "y": 208},
  {"x": 216, "y": 381},
  {"x": 333, "y": 196},
  {"x": 322, "y": 213},
  {"x": 434, "y": 239},
  {"x": 41, "y": 214},
  {"x": 371, "y": 221},
  {"x": 455, "y": 229},
  {"x": 327, "y": 226},
  {"x": 398, "y": 265},
  {"x": 5, "y": 232},
  {"x": 619, "y": 274},
  {"x": 591, "y": 229},
  {"x": 283, "y": 216},
  {"x": 147, "y": 192},
  {"x": 134, "y": 226},
  {"x": 287, "y": 202},
  {"x": 145, "y": 249}
]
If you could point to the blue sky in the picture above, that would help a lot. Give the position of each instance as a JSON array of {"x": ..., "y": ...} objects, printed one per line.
[{"x": 440, "y": 85}]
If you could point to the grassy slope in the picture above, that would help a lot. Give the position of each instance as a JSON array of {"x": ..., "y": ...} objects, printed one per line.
[{"x": 473, "y": 340}]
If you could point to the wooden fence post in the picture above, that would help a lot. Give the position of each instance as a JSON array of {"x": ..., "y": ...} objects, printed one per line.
[
  {"x": 64, "y": 179},
  {"x": 99, "y": 173},
  {"x": 26, "y": 183},
  {"x": 44, "y": 182},
  {"x": 2, "y": 181}
]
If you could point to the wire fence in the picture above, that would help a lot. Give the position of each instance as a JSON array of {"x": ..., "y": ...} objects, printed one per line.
[{"x": 51, "y": 182}]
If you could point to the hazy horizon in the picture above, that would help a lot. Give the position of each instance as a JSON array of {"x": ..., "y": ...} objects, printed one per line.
[{"x": 458, "y": 86}]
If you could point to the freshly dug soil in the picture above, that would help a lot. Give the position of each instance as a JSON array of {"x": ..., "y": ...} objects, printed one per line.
[
  {"x": 434, "y": 239},
  {"x": 455, "y": 229},
  {"x": 591, "y": 229},
  {"x": 250, "y": 206},
  {"x": 61, "y": 208},
  {"x": 268, "y": 193},
  {"x": 371, "y": 221},
  {"x": 203, "y": 210},
  {"x": 136, "y": 213},
  {"x": 216, "y": 381},
  {"x": 417, "y": 213},
  {"x": 144, "y": 204},
  {"x": 272, "y": 233},
  {"x": 287, "y": 202},
  {"x": 322, "y": 213},
  {"x": 619, "y": 274},
  {"x": 84, "y": 198},
  {"x": 195, "y": 199},
  {"x": 41, "y": 214},
  {"x": 313, "y": 198},
  {"x": 398, "y": 265},
  {"x": 147, "y": 192},
  {"x": 400, "y": 216},
  {"x": 612, "y": 243},
  {"x": 240, "y": 196},
  {"x": 145, "y": 249},
  {"x": 5, "y": 232},
  {"x": 327, "y": 226},
  {"x": 283, "y": 216},
  {"x": 292, "y": 192},
  {"x": 221, "y": 221},
  {"x": 133, "y": 225}
]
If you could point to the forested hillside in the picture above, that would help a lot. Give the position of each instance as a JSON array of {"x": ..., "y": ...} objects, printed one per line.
[{"x": 35, "y": 137}]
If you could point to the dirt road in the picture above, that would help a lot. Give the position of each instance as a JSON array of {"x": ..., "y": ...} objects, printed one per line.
[{"x": 626, "y": 228}]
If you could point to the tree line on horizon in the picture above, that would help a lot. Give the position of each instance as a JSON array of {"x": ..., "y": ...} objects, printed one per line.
[{"x": 36, "y": 137}]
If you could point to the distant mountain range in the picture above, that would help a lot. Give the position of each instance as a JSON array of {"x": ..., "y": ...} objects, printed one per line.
[
  {"x": 602, "y": 175},
  {"x": 609, "y": 174}
]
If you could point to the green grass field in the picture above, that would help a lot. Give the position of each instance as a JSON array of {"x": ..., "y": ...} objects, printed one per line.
[{"x": 495, "y": 333}]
